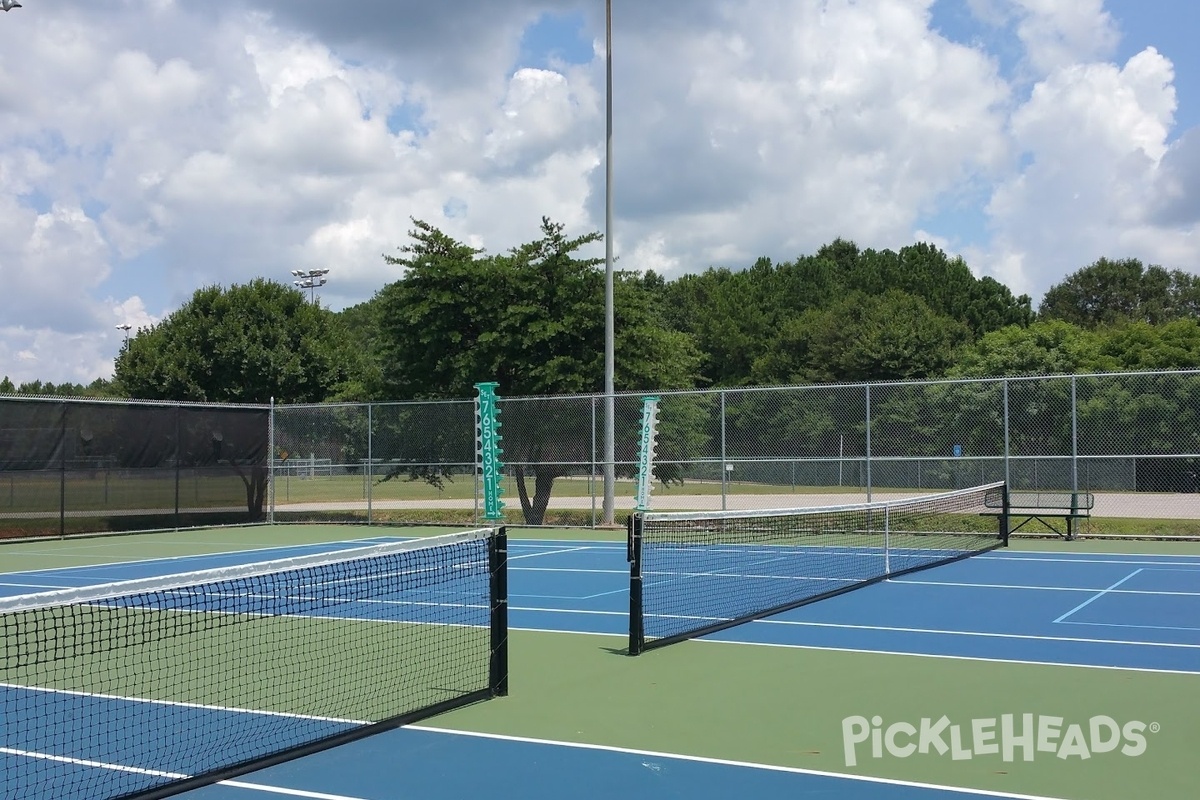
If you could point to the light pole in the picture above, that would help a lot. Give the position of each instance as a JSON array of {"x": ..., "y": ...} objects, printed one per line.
[
  {"x": 610, "y": 433},
  {"x": 310, "y": 279},
  {"x": 125, "y": 327}
]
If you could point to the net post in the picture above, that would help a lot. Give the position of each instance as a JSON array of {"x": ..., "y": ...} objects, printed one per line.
[
  {"x": 637, "y": 633},
  {"x": 887, "y": 541},
  {"x": 498, "y": 557},
  {"x": 1005, "y": 506}
]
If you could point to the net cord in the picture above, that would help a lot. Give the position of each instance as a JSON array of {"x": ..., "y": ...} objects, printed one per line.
[
  {"x": 758, "y": 513},
  {"x": 105, "y": 591}
]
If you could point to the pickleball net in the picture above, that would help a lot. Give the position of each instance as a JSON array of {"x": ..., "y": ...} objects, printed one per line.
[
  {"x": 150, "y": 687},
  {"x": 693, "y": 573}
]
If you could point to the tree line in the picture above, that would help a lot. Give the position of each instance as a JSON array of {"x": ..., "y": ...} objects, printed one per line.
[{"x": 532, "y": 318}]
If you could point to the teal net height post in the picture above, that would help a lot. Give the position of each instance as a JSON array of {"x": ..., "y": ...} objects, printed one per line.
[
  {"x": 487, "y": 425},
  {"x": 645, "y": 483}
]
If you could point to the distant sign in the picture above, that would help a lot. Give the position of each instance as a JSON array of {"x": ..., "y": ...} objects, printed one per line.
[{"x": 958, "y": 451}]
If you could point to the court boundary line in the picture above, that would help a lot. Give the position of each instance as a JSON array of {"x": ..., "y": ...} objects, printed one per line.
[
  {"x": 306, "y": 793},
  {"x": 962, "y": 585},
  {"x": 888, "y": 628},
  {"x": 726, "y": 762},
  {"x": 863, "y": 651},
  {"x": 160, "y": 559},
  {"x": 1023, "y": 662}
]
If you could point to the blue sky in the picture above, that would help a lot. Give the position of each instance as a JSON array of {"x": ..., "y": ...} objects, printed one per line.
[{"x": 152, "y": 147}]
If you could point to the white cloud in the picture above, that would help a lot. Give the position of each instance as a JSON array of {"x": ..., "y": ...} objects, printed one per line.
[
  {"x": 1093, "y": 136},
  {"x": 149, "y": 148},
  {"x": 1058, "y": 34}
]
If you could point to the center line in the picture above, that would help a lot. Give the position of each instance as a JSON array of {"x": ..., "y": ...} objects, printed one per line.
[{"x": 1098, "y": 595}]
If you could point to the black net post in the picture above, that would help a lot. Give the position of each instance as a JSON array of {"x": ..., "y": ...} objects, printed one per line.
[
  {"x": 498, "y": 556},
  {"x": 1005, "y": 508},
  {"x": 637, "y": 635}
]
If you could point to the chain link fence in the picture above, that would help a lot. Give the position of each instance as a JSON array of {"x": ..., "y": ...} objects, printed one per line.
[{"x": 1131, "y": 439}]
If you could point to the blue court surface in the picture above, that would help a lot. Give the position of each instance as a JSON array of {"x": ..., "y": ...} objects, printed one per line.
[{"x": 1091, "y": 610}]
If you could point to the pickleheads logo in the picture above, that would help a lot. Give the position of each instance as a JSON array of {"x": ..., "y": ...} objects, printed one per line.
[{"x": 1010, "y": 736}]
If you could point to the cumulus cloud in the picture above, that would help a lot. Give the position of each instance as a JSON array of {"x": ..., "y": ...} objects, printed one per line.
[
  {"x": 151, "y": 147},
  {"x": 1093, "y": 138}
]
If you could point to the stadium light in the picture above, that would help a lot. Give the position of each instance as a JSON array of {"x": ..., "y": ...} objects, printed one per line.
[
  {"x": 310, "y": 279},
  {"x": 610, "y": 424}
]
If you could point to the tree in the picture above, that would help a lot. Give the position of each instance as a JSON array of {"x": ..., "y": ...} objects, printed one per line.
[
  {"x": 891, "y": 336},
  {"x": 532, "y": 320},
  {"x": 97, "y": 388},
  {"x": 245, "y": 344},
  {"x": 1044, "y": 348},
  {"x": 1111, "y": 292},
  {"x": 1142, "y": 346}
]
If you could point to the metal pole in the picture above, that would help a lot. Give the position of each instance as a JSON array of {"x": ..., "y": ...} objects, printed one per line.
[
  {"x": 592, "y": 471},
  {"x": 868, "y": 395},
  {"x": 271, "y": 464},
  {"x": 1074, "y": 443},
  {"x": 1007, "y": 447},
  {"x": 723, "y": 456},
  {"x": 370, "y": 456},
  {"x": 610, "y": 426}
]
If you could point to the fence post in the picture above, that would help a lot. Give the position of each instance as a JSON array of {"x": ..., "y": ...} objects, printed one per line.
[
  {"x": 592, "y": 467},
  {"x": 1007, "y": 447},
  {"x": 723, "y": 470},
  {"x": 1074, "y": 441},
  {"x": 370, "y": 460},
  {"x": 62, "y": 475},
  {"x": 868, "y": 443},
  {"x": 178, "y": 440},
  {"x": 271, "y": 463},
  {"x": 478, "y": 468}
]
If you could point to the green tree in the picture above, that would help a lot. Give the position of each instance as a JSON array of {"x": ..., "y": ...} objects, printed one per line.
[
  {"x": 100, "y": 387},
  {"x": 1142, "y": 346},
  {"x": 1044, "y": 348},
  {"x": 890, "y": 336},
  {"x": 244, "y": 344},
  {"x": 1109, "y": 292},
  {"x": 532, "y": 320}
]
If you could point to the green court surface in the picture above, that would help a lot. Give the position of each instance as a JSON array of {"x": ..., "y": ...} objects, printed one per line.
[{"x": 775, "y": 705}]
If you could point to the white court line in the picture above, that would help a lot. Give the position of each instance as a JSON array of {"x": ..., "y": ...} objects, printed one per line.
[
  {"x": 568, "y": 569},
  {"x": 982, "y": 634},
  {"x": 724, "y": 762},
  {"x": 1085, "y": 559},
  {"x": 173, "y": 776},
  {"x": 1024, "y": 662},
  {"x": 258, "y": 787},
  {"x": 1042, "y": 588},
  {"x": 1097, "y": 596},
  {"x": 181, "y": 704},
  {"x": 549, "y": 553},
  {"x": 1125, "y": 625},
  {"x": 865, "y": 651},
  {"x": 886, "y": 628},
  {"x": 190, "y": 556}
]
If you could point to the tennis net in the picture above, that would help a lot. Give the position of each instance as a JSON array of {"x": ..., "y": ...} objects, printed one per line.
[
  {"x": 147, "y": 688},
  {"x": 696, "y": 573}
]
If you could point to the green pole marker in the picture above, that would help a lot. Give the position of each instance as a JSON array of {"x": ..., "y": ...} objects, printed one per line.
[
  {"x": 646, "y": 452},
  {"x": 487, "y": 428}
]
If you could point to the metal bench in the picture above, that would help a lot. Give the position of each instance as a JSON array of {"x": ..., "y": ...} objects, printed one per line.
[{"x": 1040, "y": 507}]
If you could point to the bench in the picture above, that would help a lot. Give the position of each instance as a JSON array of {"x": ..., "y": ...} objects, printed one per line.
[{"x": 1041, "y": 507}]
